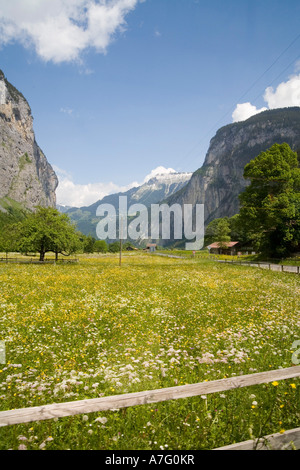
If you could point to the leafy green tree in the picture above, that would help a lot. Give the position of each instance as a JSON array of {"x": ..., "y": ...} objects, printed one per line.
[
  {"x": 88, "y": 244},
  {"x": 223, "y": 233},
  {"x": 270, "y": 205},
  {"x": 210, "y": 231},
  {"x": 12, "y": 214},
  {"x": 114, "y": 247},
  {"x": 100, "y": 246},
  {"x": 237, "y": 229},
  {"x": 8, "y": 240},
  {"x": 218, "y": 231},
  {"x": 47, "y": 230}
]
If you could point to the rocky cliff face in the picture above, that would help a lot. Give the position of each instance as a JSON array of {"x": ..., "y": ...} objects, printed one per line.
[
  {"x": 218, "y": 183},
  {"x": 25, "y": 174}
]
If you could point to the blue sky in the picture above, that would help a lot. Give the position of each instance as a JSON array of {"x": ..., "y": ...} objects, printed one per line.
[{"x": 118, "y": 88}]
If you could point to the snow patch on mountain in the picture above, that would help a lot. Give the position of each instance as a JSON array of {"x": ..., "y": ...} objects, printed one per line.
[{"x": 166, "y": 181}]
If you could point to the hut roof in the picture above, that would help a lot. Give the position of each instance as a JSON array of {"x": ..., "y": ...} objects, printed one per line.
[{"x": 225, "y": 244}]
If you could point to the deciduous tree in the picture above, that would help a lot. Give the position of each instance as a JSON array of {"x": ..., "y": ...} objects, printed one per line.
[
  {"x": 270, "y": 205},
  {"x": 46, "y": 230}
]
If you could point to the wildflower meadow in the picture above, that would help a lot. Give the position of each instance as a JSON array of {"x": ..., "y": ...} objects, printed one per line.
[{"x": 93, "y": 329}]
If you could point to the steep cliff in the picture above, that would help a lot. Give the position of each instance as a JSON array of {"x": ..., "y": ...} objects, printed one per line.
[
  {"x": 218, "y": 183},
  {"x": 25, "y": 174}
]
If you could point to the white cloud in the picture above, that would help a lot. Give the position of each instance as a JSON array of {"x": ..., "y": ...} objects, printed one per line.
[
  {"x": 244, "y": 111},
  {"x": 67, "y": 111},
  {"x": 160, "y": 170},
  {"x": 72, "y": 194},
  {"x": 60, "y": 30},
  {"x": 287, "y": 94},
  {"x": 77, "y": 195}
]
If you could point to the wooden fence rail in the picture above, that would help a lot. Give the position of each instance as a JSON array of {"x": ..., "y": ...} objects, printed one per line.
[
  {"x": 289, "y": 440},
  {"x": 59, "y": 410},
  {"x": 265, "y": 265},
  {"x": 37, "y": 261}
]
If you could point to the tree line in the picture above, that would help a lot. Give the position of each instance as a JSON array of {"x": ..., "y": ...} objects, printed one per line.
[
  {"x": 47, "y": 230},
  {"x": 269, "y": 216}
]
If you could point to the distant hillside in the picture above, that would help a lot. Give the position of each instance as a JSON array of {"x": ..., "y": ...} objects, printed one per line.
[
  {"x": 151, "y": 192},
  {"x": 62, "y": 208},
  {"x": 10, "y": 212}
]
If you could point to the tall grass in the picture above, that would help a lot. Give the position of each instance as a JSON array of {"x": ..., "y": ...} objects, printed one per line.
[{"x": 94, "y": 329}]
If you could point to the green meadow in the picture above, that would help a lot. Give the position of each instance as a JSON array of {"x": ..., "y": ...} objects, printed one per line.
[{"x": 93, "y": 329}]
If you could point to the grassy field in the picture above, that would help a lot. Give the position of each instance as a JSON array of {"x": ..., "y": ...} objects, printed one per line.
[{"x": 94, "y": 329}]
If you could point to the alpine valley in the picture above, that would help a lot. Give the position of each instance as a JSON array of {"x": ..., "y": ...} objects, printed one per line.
[
  {"x": 218, "y": 183},
  {"x": 28, "y": 180}
]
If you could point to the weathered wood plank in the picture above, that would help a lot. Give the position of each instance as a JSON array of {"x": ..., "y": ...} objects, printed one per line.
[
  {"x": 59, "y": 410},
  {"x": 289, "y": 440}
]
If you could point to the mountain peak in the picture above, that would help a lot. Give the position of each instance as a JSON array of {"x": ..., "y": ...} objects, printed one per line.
[
  {"x": 155, "y": 189},
  {"x": 159, "y": 171}
]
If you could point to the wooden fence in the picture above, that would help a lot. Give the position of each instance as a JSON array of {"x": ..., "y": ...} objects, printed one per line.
[
  {"x": 289, "y": 440},
  {"x": 37, "y": 261},
  {"x": 265, "y": 265},
  {"x": 59, "y": 410},
  {"x": 258, "y": 264}
]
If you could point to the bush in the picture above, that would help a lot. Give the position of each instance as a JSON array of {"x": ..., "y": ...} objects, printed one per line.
[
  {"x": 100, "y": 246},
  {"x": 114, "y": 247}
]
